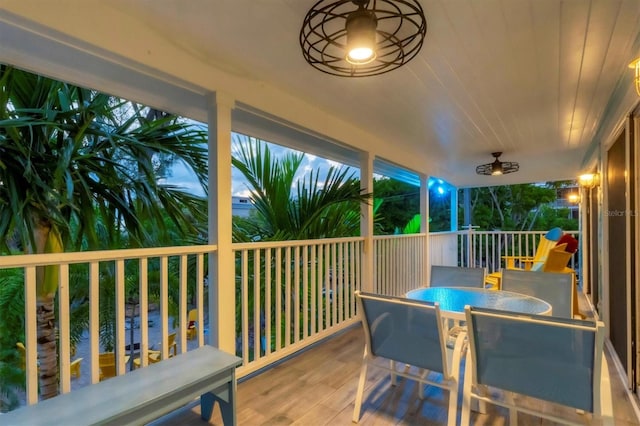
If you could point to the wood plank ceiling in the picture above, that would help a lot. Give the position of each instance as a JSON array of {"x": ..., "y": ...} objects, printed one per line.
[{"x": 544, "y": 81}]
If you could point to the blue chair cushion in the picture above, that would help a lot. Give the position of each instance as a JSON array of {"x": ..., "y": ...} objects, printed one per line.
[{"x": 554, "y": 234}]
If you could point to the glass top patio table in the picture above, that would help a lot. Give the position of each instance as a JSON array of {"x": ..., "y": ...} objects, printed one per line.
[{"x": 452, "y": 300}]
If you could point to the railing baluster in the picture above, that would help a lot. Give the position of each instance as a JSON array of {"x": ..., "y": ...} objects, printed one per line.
[
  {"x": 267, "y": 301},
  {"x": 288, "y": 295},
  {"x": 279, "y": 298},
  {"x": 257, "y": 282},
  {"x": 305, "y": 291},
  {"x": 120, "y": 317},
  {"x": 244, "y": 307},
  {"x": 164, "y": 306},
  {"x": 297, "y": 294},
  {"x": 315, "y": 284},
  {"x": 143, "y": 303},
  {"x": 200, "y": 297},
  {"x": 64, "y": 352},
  {"x": 182, "y": 321},
  {"x": 322, "y": 285},
  {"x": 94, "y": 319},
  {"x": 340, "y": 282},
  {"x": 31, "y": 330}
]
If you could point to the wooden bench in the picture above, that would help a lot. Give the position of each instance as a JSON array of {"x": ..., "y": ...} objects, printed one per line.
[{"x": 144, "y": 394}]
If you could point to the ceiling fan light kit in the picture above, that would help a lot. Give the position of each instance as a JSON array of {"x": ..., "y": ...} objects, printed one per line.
[
  {"x": 497, "y": 167},
  {"x": 360, "y": 38}
]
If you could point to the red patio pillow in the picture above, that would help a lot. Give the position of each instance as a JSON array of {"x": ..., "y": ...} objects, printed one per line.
[{"x": 572, "y": 243}]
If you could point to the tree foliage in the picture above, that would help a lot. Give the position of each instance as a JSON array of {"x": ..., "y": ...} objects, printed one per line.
[
  {"x": 399, "y": 210},
  {"x": 399, "y": 203},
  {"x": 315, "y": 206},
  {"x": 80, "y": 169},
  {"x": 516, "y": 207}
]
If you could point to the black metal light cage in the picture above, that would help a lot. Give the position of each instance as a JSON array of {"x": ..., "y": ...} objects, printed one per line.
[
  {"x": 505, "y": 167},
  {"x": 400, "y": 33}
]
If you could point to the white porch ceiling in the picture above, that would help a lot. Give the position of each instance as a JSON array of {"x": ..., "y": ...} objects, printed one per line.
[{"x": 543, "y": 81}]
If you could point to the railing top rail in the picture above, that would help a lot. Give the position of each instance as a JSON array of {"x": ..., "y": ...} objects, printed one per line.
[
  {"x": 292, "y": 243},
  {"x": 465, "y": 232},
  {"x": 387, "y": 237},
  {"x": 444, "y": 233},
  {"x": 25, "y": 260}
]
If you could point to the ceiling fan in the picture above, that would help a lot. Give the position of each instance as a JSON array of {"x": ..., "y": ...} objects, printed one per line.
[{"x": 497, "y": 167}]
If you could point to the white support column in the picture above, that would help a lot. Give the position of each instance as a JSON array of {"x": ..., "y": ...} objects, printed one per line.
[
  {"x": 454, "y": 208},
  {"x": 583, "y": 229},
  {"x": 222, "y": 302},
  {"x": 366, "y": 223},
  {"x": 635, "y": 217},
  {"x": 424, "y": 227},
  {"x": 603, "y": 239}
]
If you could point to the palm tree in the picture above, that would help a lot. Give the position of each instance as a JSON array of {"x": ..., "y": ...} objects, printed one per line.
[
  {"x": 317, "y": 208},
  {"x": 72, "y": 158}
]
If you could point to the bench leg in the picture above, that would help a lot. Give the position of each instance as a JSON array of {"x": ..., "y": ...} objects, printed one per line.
[{"x": 226, "y": 397}]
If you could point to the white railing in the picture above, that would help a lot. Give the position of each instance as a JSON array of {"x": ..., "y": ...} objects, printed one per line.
[
  {"x": 99, "y": 269},
  {"x": 443, "y": 248},
  {"x": 486, "y": 248},
  {"x": 399, "y": 263},
  {"x": 289, "y": 294}
]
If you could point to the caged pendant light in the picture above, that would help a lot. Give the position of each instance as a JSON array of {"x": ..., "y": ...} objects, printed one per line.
[{"x": 359, "y": 38}]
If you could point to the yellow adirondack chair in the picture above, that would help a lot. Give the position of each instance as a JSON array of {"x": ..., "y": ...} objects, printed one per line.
[
  {"x": 192, "y": 327},
  {"x": 547, "y": 242},
  {"x": 74, "y": 368},
  {"x": 107, "y": 363}
]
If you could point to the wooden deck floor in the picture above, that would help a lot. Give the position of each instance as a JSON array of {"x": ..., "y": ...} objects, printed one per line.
[{"x": 318, "y": 386}]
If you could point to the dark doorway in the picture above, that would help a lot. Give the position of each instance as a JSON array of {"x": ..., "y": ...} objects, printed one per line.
[{"x": 616, "y": 214}]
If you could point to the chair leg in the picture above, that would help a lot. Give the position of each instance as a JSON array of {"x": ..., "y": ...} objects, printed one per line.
[
  {"x": 513, "y": 412},
  {"x": 421, "y": 384},
  {"x": 360, "y": 391},
  {"x": 465, "y": 418},
  {"x": 392, "y": 367},
  {"x": 513, "y": 417},
  {"x": 453, "y": 404},
  {"x": 459, "y": 349},
  {"x": 482, "y": 405}
]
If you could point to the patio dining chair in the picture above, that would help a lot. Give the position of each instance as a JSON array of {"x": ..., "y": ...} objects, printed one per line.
[
  {"x": 407, "y": 332},
  {"x": 551, "y": 359},
  {"x": 456, "y": 276},
  {"x": 554, "y": 288}
]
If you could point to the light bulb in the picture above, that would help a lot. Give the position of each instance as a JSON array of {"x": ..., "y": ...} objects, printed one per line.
[{"x": 361, "y": 37}]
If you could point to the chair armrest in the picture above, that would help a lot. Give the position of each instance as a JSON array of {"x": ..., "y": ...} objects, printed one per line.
[{"x": 510, "y": 261}]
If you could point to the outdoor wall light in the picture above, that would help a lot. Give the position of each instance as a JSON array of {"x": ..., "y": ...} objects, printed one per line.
[
  {"x": 498, "y": 167},
  {"x": 359, "y": 38},
  {"x": 589, "y": 180},
  {"x": 573, "y": 198},
  {"x": 636, "y": 66}
]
